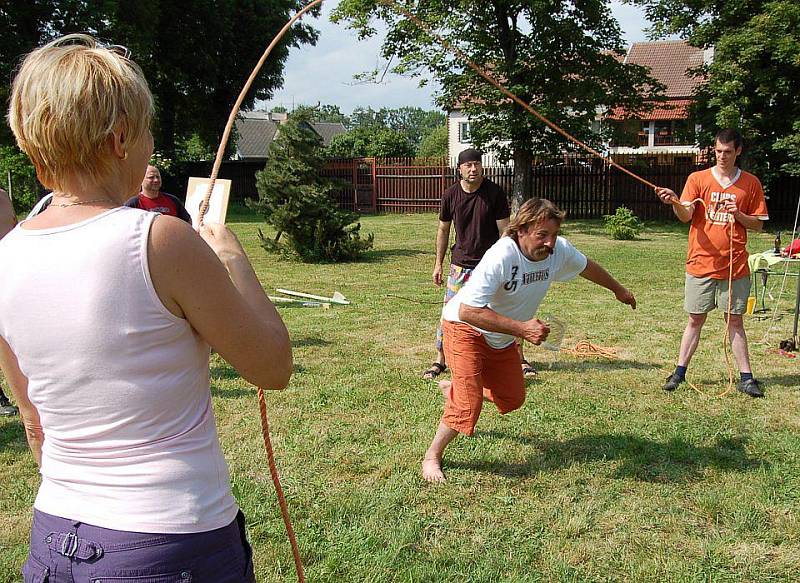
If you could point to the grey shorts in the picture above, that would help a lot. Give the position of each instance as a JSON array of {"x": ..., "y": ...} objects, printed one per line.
[{"x": 703, "y": 294}]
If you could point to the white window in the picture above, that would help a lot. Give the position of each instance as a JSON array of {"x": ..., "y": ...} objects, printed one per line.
[{"x": 463, "y": 132}]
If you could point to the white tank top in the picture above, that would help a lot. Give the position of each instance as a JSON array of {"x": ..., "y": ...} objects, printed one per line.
[{"x": 121, "y": 384}]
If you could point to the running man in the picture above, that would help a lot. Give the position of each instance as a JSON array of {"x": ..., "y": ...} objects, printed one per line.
[{"x": 496, "y": 306}]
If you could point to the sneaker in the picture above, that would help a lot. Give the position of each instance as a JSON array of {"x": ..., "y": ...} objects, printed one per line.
[
  {"x": 750, "y": 387},
  {"x": 8, "y": 410},
  {"x": 673, "y": 381}
]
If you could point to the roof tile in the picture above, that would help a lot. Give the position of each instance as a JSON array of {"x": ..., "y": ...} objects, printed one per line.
[{"x": 669, "y": 62}]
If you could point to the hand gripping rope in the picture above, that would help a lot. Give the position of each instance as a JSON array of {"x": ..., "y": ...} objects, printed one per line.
[{"x": 392, "y": 5}]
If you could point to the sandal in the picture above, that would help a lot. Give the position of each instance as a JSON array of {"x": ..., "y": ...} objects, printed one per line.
[
  {"x": 434, "y": 371},
  {"x": 528, "y": 371}
]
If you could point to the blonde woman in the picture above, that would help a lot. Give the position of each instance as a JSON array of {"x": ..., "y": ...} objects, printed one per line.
[{"x": 107, "y": 314}]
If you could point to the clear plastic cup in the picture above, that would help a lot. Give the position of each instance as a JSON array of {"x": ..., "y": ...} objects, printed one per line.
[{"x": 556, "y": 335}]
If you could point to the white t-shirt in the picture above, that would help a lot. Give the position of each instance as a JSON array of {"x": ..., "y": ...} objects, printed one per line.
[{"x": 512, "y": 285}]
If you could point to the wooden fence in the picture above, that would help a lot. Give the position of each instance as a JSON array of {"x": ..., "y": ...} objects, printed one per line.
[{"x": 584, "y": 187}]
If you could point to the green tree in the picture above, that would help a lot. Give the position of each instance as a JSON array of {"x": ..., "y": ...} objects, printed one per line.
[
  {"x": 435, "y": 144},
  {"x": 754, "y": 78},
  {"x": 413, "y": 122},
  {"x": 296, "y": 200},
  {"x": 26, "y": 24},
  {"x": 195, "y": 55},
  {"x": 364, "y": 117},
  {"x": 18, "y": 176},
  {"x": 330, "y": 113},
  {"x": 791, "y": 144},
  {"x": 368, "y": 142},
  {"x": 560, "y": 56}
]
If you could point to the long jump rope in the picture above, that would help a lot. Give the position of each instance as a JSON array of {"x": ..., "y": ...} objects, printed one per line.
[{"x": 458, "y": 53}]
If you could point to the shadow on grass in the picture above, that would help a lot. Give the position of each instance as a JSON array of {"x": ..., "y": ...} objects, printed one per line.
[
  {"x": 310, "y": 341},
  {"x": 12, "y": 435},
  {"x": 599, "y": 364},
  {"x": 224, "y": 371},
  {"x": 386, "y": 255},
  {"x": 596, "y": 228},
  {"x": 787, "y": 380},
  {"x": 234, "y": 393},
  {"x": 641, "y": 459}
]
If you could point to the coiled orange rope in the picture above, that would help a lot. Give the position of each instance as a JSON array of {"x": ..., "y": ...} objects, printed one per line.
[{"x": 585, "y": 349}]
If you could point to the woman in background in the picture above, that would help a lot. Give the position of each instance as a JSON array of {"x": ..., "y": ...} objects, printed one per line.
[{"x": 106, "y": 318}]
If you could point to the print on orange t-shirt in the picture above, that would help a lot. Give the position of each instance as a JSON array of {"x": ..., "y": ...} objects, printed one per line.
[{"x": 709, "y": 234}]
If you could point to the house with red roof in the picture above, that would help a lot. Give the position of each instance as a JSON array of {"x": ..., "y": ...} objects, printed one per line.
[
  {"x": 664, "y": 129},
  {"x": 667, "y": 127}
]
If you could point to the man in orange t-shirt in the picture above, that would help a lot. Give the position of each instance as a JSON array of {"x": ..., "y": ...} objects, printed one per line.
[{"x": 712, "y": 279}]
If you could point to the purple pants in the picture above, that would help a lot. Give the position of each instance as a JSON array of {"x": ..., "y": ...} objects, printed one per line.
[{"x": 65, "y": 551}]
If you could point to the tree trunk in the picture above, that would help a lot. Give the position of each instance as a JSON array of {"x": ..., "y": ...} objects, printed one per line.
[{"x": 522, "y": 183}]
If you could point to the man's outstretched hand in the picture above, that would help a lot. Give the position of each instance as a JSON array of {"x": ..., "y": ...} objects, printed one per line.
[{"x": 626, "y": 297}]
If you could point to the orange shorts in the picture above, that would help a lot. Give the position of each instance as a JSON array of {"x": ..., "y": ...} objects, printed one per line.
[{"x": 479, "y": 371}]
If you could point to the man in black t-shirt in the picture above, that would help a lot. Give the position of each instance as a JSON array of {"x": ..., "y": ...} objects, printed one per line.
[{"x": 478, "y": 209}]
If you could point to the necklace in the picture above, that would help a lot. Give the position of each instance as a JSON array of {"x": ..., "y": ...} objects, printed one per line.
[{"x": 80, "y": 202}]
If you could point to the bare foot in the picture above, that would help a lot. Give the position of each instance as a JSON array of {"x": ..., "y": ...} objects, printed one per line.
[
  {"x": 444, "y": 386},
  {"x": 432, "y": 471}
]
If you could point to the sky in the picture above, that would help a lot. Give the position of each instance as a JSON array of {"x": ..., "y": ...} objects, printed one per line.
[{"x": 324, "y": 73}]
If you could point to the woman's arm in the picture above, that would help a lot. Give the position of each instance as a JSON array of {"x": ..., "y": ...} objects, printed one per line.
[
  {"x": 210, "y": 282},
  {"x": 19, "y": 389}
]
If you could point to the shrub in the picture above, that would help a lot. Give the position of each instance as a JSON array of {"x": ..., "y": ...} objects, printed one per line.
[
  {"x": 297, "y": 201},
  {"x": 623, "y": 224}
]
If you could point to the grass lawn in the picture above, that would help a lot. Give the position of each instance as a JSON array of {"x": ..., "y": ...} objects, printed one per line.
[{"x": 601, "y": 476}]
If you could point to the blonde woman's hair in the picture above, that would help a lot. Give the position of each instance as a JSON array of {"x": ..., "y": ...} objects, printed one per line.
[
  {"x": 67, "y": 98},
  {"x": 533, "y": 211}
]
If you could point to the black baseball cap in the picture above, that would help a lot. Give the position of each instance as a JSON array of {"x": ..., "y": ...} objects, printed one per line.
[{"x": 469, "y": 155}]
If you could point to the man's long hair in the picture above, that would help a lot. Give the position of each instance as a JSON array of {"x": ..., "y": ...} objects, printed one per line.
[{"x": 533, "y": 211}]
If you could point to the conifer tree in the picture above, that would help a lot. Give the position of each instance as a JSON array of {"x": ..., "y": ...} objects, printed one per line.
[{"x": 295, "y": 199}]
